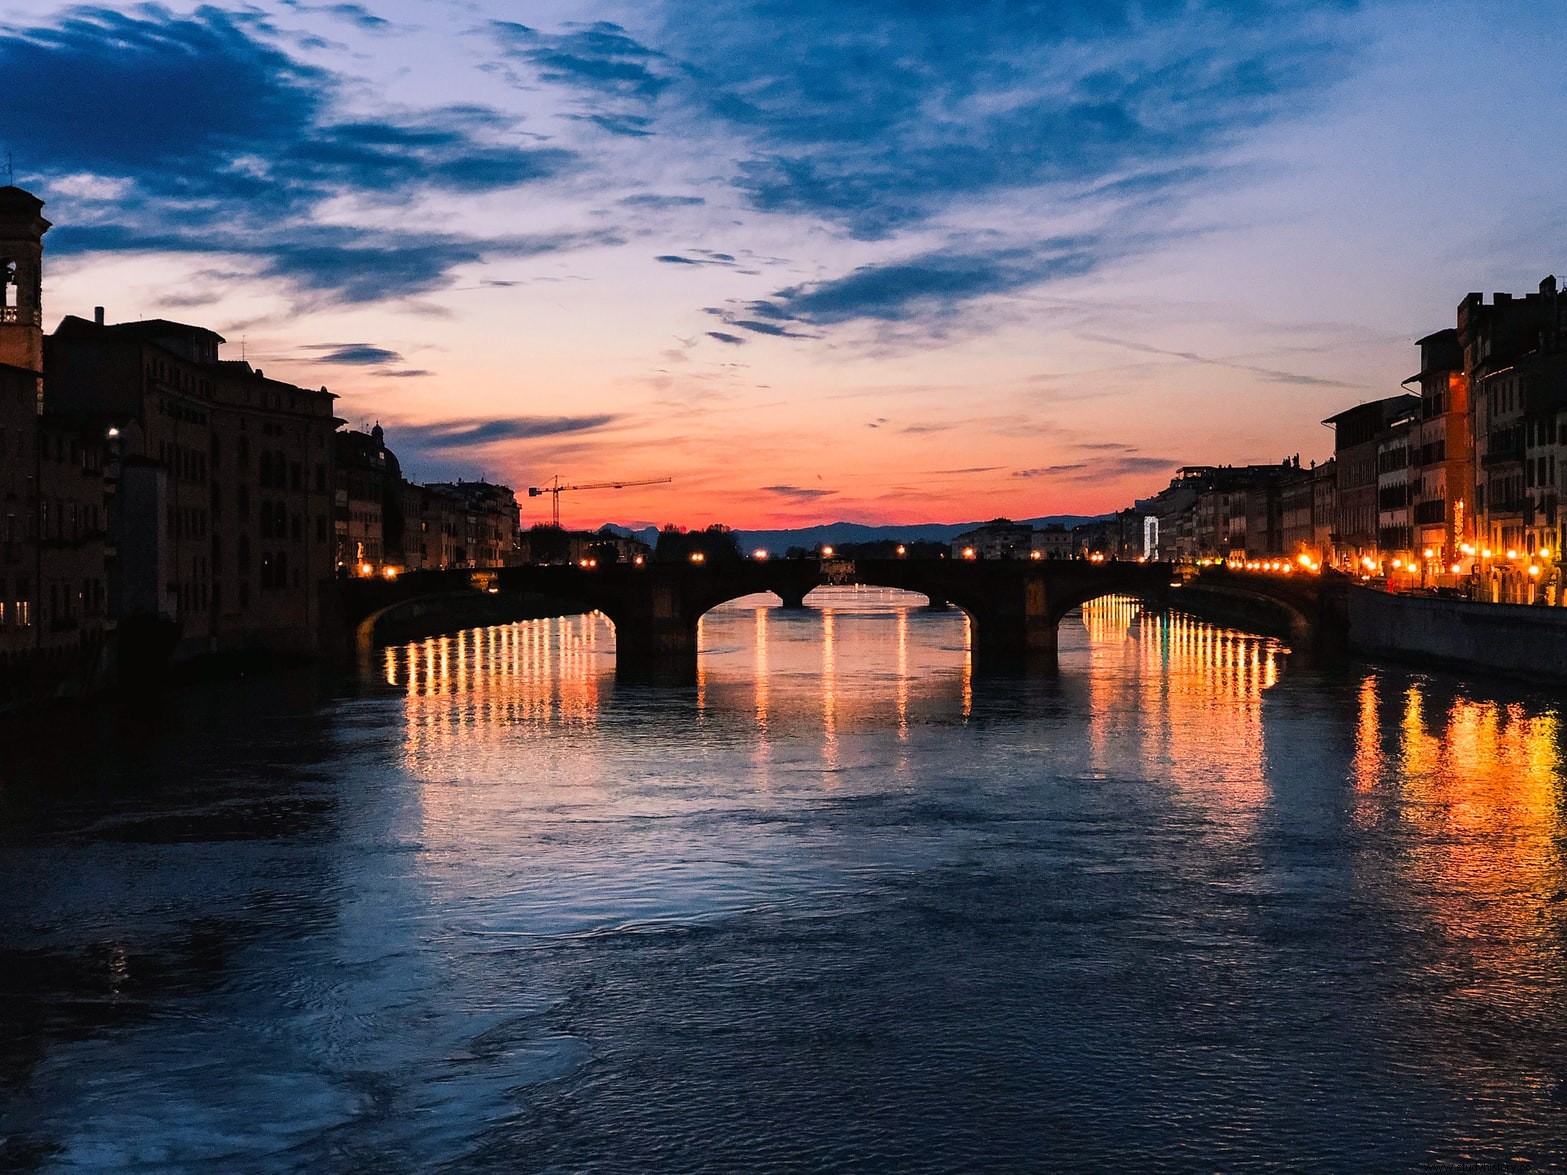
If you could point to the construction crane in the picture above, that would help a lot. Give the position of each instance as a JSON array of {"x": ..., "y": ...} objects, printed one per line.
[{"x": 555, "y": 489}]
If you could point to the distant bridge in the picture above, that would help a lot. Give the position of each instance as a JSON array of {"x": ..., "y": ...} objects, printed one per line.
[{"x": 1015, "y": 606}]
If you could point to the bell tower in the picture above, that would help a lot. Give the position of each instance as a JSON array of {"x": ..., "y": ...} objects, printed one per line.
[{"x": 22, "y": 229}]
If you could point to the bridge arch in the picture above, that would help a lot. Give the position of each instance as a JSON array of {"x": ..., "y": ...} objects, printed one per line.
[{"x": 1310, "y": 610}]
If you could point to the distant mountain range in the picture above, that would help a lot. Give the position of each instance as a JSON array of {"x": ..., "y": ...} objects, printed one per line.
[{"x": 842, "y": 533}]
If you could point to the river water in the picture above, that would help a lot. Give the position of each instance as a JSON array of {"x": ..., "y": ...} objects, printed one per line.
[{"x": 1187, "y": 906}]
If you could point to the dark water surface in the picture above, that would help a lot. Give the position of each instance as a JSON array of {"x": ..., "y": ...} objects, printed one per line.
[{"x": 842, "y": 906}]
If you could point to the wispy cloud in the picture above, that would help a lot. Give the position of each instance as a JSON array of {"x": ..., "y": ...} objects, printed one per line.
[
  {"x": 1101, "y": 468},
  {"x": 205, "y": 135},
  {"x": 459, "y": 434},
  {"x": 353, "y": 354},
  {"x": 880, "y": 116},
  {"x": 698, "y": 257},
  {"x": 616, "y": 78},
  {"x": 927, "y": 288},
  {"x": 1271, "y": 374},
  {"x": 798, "y": 493}
]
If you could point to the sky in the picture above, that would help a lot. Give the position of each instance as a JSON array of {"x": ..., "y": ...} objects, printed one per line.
[{"x": 881, "y": 261}]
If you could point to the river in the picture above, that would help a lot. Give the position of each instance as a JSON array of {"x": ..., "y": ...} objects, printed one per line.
[{"x": 843, "y": 905}]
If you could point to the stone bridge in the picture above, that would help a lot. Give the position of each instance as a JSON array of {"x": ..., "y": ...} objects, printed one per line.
[
  {"x": 1311, "y": 610},
  {"x": 1015, "y": 606}
]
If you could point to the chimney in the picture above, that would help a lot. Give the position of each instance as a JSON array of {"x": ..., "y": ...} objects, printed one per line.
[{"x": 97, "y": 315}]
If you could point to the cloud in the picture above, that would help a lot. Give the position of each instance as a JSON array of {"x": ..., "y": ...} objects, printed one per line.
[
  {"x": 444, "y": 441},
  {"x": 615, "y": 78},
  {"x": 1049, "y": 470},
  {"x": 881, "y": 115},
  {"x": 798, "y": 493},
  {"x": 460, "y": 434},
  {"x": 1101, "y": 469},
  {"x": 702, "y": 257},
  {"x": 353, "y": 354},
  {"x": 404, "y": 373},
  {"x": 599, "y": 57},
  {"x": 359, "y": 15},
  {"x": 355, "y": 14},
  {"x": 1272, "y": 375},
  {"x": 885, "y": 119},
  {"x": 926, "y": 288},
  {"x": 217, "y": 140},
  {"x": 659, "y": 203},
  {"x": 342, "y": 263},
  {"x": 726, "y": 337}
]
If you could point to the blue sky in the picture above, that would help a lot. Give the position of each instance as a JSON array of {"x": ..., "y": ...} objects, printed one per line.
[{"x": 887, "y": 261}]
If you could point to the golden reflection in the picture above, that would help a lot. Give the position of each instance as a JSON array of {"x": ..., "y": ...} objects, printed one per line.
[
  {"x": 829, "y": 689},
  {"x": 1194, "y": 705},
  {"x": 1479, "y": 787},
  {"x": 701, "y": 669},
  {"x": 902, "y": 692},
  {"x": 759, "y": 647},
  {"x": 968, "y": 667},
  {"x": 1368, "y": 738},
  {"x": 478, "y": 684}
]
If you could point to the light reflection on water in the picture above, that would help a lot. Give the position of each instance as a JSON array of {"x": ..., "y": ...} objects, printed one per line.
[{"x": 843, "y": 904}]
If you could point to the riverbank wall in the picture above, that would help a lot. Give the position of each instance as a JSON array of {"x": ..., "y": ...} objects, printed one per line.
[{"x": 1514, "y": 640}]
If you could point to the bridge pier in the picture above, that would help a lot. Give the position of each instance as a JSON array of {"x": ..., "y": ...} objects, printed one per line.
[{"x": 792, "y": 596}]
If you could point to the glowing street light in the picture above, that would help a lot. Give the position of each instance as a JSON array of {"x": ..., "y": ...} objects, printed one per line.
[
  {"x": 698, "y": 557},
  {"x": 826, "y": 552},
  {"x": 759, "y": 555},
  {"x": 968, "y": 552},
  {"x": 902, "y": 550}
]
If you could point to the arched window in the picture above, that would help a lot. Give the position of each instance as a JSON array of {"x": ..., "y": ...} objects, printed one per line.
[{"x": 9, "y": 289}]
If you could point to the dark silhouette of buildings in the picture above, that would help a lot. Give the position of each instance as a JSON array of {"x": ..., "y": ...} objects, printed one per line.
[{"x": 156, "y": 497}]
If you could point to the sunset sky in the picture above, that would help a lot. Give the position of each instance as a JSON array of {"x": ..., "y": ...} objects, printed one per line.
[{"x": 887, "y": 261}]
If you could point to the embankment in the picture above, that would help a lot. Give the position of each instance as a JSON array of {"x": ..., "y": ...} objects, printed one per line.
[{"x": 1511, "y": 639}]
